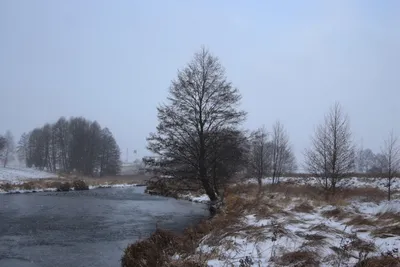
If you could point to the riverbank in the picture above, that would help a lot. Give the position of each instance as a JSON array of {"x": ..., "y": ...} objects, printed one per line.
[
  {"x": 290, "y": 224},
  {"x": 33, "y": 185}
]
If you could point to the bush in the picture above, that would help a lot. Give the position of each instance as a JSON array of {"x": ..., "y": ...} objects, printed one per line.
[
  {"x": 80, "y": 185},
  {"x": 28, "y": 186},
  {"x": 154, "y": 251},
  {"x": 382, "y": 261},
  {"x": 6, "y": 187},
  {"x": 64, "y": 187}
]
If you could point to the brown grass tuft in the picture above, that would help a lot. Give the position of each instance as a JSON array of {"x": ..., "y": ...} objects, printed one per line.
[
  {"x": 28, "y": 186},
  {"x": 6, "y": 187},
  {"x": 304, "y": 207},
  {"x": 299, "y": 259},
  {"x": 80, "y": 185},
  {"x": 382, "y": 261},
  {"x": 387, "y": 231},
  {"x": 154, "y": 251},
  {"x": 388, "y": 215},
  {"x": 337, "y": 213},
  {"x": 66, "y": 186},
  {"x": 360, "y": 220}
]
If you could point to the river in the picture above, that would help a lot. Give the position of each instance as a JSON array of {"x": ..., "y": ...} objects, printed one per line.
[{"x": 84, "y": 228}]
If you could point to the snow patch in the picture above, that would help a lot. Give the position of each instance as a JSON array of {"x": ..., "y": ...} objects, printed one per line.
[
  {"x": 199, "y": 199},
  {"x": 16, "y": 175}
]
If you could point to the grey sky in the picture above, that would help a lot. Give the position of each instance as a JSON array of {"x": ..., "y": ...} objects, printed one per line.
[{"x": 112, "y": 61}]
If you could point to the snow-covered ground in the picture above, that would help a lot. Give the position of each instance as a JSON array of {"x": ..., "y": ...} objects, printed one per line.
[
  {"x": 17, "y": 174},
  {"x": 321, "y": 234},
  {"x": 289, "y": 237}
]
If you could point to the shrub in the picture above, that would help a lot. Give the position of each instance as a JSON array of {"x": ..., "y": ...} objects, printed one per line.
[
  {"x": 382, "y": 261},
  {"x": 80, "y": 185},
  {"x": 28, "y": 186},
  {"x": 154, "y": 251},
  {"x": 6, "y": 187},
  {"x": 299, "y": 258},
  {"x": 64, "y": 187}
]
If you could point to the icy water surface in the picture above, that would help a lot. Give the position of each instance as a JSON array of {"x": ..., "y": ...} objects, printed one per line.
[{"x": 84, "y": 228}]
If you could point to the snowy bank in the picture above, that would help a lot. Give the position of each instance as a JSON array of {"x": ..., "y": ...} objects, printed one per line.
[
  {"x": 38, "y": 190},
  {"x": 299, "y": 228},
  {"x": 198, "y": 199}
]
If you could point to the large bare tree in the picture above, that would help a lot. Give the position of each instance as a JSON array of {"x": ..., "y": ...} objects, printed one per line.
[
  {"x": 260, "y": 155},
  {"x": 390, "y": 160},
  {"x": 331, "y": 156},
  {"x": 283, "y": 160},
  {"x": 201, "y": 103}
]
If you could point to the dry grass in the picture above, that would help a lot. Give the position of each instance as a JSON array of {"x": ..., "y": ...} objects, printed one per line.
[
  {"x": 382, "y": 261},
  {"x": 63, "y": 187},
  {"x": 388, "y": 217},
  {"x": 321, "y": 197},
  {"x": 154, "y": 251},
  {"x": 387, "y": 231},
  {"x": 299, "y": 259},
  {"x": 337, "y": 213},
  {"x": 80, "y": 185},
  {"x": 304, "y": 207},
  {"x": 359, "y": 220}
]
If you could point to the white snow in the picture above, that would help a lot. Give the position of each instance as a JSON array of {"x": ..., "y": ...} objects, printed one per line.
[
  {"x": 270, "y": 238},
  {"x": 15, "y": 175},
  {"x": 199, "y": 199}
]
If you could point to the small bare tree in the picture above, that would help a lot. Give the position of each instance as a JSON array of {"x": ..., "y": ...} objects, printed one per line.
[
  {"x": 260, "y": 156},
  {"x": 282, "y": 155},
  {"x": 331, "y": 156},
  {"x": 390, "y": 160}
]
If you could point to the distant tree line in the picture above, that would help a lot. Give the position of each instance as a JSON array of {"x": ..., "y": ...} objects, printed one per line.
[{"x": 76, "y": 144}]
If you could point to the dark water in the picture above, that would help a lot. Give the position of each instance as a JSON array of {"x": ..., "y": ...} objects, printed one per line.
[{"x": 87, "y": 228}]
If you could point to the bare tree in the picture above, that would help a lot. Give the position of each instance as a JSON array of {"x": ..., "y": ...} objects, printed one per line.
[
  {"x": 282, "y": 156},
  {"x": 2, "y": 143},
  {"x": 9, "y": 148},
  {"x": 331, "y": 156},
  {"x": 390, "y": 160},
  {"x": 201, "y": 103},
  {"x": 23, "y": 148},
  {"x": 260, "y": 156},
  {"x": 365, "y": 160}
]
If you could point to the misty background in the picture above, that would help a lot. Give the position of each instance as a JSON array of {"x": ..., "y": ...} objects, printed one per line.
[{"x": 112, "y": 61}]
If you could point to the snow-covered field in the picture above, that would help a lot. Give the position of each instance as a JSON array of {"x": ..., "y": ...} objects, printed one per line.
[
  {"x": 288, "y": 230},
  {"x": 313, "y": 238},
  {"x": 352, "y": 182},
  {"x": 18, "y": 174}
]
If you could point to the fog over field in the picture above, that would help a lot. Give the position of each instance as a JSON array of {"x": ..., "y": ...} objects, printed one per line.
[{"x": 113, "y": 62}]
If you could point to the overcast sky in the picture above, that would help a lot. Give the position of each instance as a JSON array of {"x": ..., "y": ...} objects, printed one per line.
[{"x": 112, "y": 61}]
